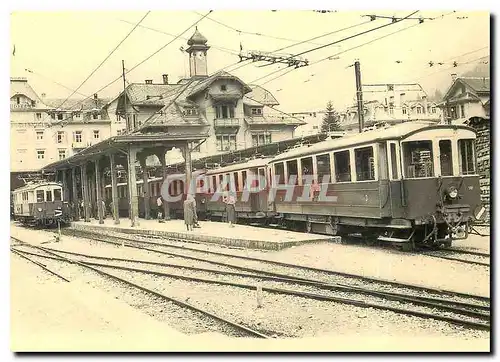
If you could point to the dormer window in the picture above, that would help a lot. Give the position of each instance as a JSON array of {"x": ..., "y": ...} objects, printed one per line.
[
  {"x": 223, "y": 87},
  {"x": 404, "y": 110},
  {"x": 256, "y": 111},
  {"x": 190, "y": 112}
]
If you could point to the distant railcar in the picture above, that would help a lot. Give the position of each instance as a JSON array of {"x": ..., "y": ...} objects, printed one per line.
[{"x": 40, "y": 203}]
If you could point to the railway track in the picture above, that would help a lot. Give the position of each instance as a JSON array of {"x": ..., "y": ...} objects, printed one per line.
[
  {"x": 180, "y": 244},
  {"x": 55, "y": 255},
  {"x": 471, "y": 257},
  {"x": 472, "y": 314}
]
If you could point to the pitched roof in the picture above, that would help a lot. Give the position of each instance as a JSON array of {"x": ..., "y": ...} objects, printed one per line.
[
  {"x": 260, "y": 96},
  {"x": 76, "y": 104},
  {"x": 138, "y": 93},
  {"x": 171, "y": 114},
  {"x": 477, "y": 84},
  {"x": 206, "y": 82},
  {"x": 21, "y": 86}
]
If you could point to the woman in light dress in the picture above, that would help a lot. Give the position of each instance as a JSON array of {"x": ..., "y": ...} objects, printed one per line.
[
  {"x": 230, "y": 200},
  {"x": 189, "y": 212}
]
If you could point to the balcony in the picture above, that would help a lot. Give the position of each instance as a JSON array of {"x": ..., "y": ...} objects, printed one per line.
[{"x": 227, "y": 123}]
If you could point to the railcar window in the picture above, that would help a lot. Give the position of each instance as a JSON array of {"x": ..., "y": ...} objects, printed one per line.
[
  {"x": 262, "y": 178},
  {"x": 279, "y": 173},
  {"x": 417, "y": 156},
  {"x": 394, "y": 162},
  {"x": 57, "y": 195},
  {"x": 342, "y": 166},
  {"x": 244, "y": 179},
  {"x": 323, "y": 166},
  {"x": 228, "y": 184},
  {"x": 48, "y": 195},
  {"x": 445, "y": 158},
  {"x": 236, "y": 182},
  {"x": 365, "y": 164},
  {"x": 307, "y": 167},
  {"x": 466, "y": 149},
  {"x": 293, "y": 171},
  {"x": 181, "y": 187},
  {"x": 40, "y": 196}
]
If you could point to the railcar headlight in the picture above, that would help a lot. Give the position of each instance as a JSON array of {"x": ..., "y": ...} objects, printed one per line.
[
  {"x": 452, "y": 192},
  {"x": 39, "y": 209}
]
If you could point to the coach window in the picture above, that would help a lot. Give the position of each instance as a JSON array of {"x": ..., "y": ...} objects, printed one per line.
[
  {"x": 262, "y": 178},
  {"x": 365, "y": 164},
  {"x": 244, "y": 179},
  {"x": 342, "y": 166},
  {"x": 279, "y": 173},
  {"x": 57, "y": 195},
  {"x": 293, "y": 171},
  {"x": 40, "y": 196},
  {"x": 237, "y": 182},
  {"x": 323, "y": 168},
  {"x": 394, "y": 162},
  {"x": 48, "y": 195},
  {"x": 445, "y": 158},
  {"x": 417, "y": 159},
  {"x": 307, "y": 168},
  {"x": 466, "y": 159},
  {"x": 214, "y": 183},
  {"x": 221, "y": 182}
]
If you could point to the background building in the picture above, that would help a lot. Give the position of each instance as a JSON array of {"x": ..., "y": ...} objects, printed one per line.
[
  {"x": 391, "y": 104},
  {"x": 46, "y": 130},
  {"x": 236, "y": 114}
]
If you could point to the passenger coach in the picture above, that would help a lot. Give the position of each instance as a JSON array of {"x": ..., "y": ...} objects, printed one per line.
[
  {"x": 41, "y": 204},
  {"x": 413, "y": 183}
]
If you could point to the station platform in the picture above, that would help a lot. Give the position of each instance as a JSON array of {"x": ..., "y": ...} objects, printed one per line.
[{"x": 243, "y": 236}]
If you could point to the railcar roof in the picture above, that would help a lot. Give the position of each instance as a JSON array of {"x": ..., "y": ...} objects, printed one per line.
[
  {"x": 181, "y": 174},
  {"x": 34, "y": 185},
  {"x": 396, "y": 132},
  {"x": 258, "y": 162}
]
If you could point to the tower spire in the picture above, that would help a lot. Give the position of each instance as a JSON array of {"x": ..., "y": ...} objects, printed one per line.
[{"x": 197, "y": 54}]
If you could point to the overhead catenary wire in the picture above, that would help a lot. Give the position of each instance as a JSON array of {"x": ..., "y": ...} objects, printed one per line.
[
  {"x": 54, "y": 81},
  {"x": 107, "y": 57},
  {"x": 344, "y": 51},
  {"x": 248, "y": 32},
  {"x": 144, "y": 60},
  {"x": 223, "y": 49},
  {"x": 442, "y": 70},
  {"x": 355, "y": 35},
  {"x": 336, "y": 54}
]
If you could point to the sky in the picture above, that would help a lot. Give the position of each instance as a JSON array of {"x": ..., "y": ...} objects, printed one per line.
[{"x": 65, "y": 47}]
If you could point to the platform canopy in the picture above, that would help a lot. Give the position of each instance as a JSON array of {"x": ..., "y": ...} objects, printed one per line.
[{"x": 121, "y": 144}]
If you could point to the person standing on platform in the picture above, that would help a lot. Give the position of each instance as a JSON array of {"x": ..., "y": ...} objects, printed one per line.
[
  {"x": 230, "y": 200},
  {"x": 159, "y": 203},
  {"x": 189, "y": 212}
]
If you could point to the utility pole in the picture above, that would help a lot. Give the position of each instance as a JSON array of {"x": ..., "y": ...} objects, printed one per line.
[
  {"x": 359, "y": 96},
  {"x": 125, "y": 96}
]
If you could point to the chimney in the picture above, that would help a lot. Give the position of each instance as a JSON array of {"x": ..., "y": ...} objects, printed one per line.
[
  {"x": 149, "y": 81},
  {"x": 454, "y": 77},
  {"x": 165, "y": 78}
]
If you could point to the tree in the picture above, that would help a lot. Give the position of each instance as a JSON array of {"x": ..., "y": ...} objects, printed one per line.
[{"x": 331, "y": 120}]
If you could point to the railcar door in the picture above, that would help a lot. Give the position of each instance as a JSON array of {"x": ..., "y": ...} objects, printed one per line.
[{"x": 254, "y": 196}]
